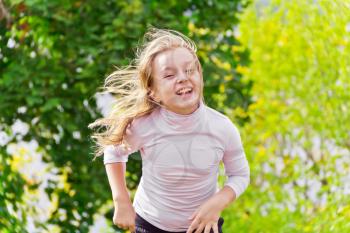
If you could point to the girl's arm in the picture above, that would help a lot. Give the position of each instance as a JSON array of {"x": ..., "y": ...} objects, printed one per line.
[
  {"x": 238, "y": 172},
  {"x": 116, "y": 178},
  {"x": 124, "y": 213}
]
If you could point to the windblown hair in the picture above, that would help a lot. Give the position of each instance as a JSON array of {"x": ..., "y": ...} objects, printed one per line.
[{"x": 131, "y": 86}]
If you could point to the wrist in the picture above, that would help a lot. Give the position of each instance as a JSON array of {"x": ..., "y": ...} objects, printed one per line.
[
  {"x": 121, "y": 197},
  {"x": 122, "y": 203},
  {"x": 226, "y": 196}
]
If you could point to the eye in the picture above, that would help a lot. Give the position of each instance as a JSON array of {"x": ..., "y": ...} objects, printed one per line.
[
  {"x": 169, "y": 76},
  {"x": 189, "y": 71}
]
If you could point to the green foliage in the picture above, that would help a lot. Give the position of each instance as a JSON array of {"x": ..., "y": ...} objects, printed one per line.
[
  {"x": 297, "y": 139},
  {"x": 11, "y": 184},
  {"x": 54, "y": 55}
]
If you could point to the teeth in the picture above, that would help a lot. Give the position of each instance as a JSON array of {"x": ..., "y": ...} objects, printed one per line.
[{"x": 184, "y": 90}]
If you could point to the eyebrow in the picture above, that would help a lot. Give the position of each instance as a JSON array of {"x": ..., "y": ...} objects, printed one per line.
[{"x": 185, "y": 63}]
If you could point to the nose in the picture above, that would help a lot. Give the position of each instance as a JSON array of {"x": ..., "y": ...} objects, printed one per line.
[{"x": 182, "y": 77}]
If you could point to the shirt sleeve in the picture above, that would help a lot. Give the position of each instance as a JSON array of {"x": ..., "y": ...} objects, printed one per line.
[
  {"x": 235, "y": 162},
  {"x": 120, "y": 153}
]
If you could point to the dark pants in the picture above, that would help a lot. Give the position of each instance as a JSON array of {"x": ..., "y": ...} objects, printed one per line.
[{"x": 142, "y": 226}]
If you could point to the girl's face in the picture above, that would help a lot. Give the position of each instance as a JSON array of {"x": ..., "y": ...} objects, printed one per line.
[{"x": 177, "y": 82}]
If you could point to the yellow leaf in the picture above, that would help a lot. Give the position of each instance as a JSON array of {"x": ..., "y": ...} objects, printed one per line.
[
  {"x": 191, "y": 26},
  {"x": 242, "y": 69},
  {"x": 228, "y": 77},
  {"x": 222, "y": 88}
]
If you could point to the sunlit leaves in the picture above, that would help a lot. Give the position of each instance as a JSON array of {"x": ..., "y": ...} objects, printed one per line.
[{"x": 297, "y": 138}]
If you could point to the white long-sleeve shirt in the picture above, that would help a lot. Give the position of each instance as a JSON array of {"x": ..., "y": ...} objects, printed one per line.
[{"x": 180, "y": 162}]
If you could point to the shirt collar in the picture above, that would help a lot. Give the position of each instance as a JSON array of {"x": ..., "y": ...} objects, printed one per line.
[{"x": 181, "y": 121}]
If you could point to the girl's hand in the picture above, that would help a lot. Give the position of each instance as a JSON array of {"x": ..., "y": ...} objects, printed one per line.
[
  {"x": 124, "y": 215},
  {"x": 206, "y": 217}
]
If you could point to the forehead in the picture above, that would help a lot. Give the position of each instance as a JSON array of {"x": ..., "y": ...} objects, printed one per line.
[{"x": 171, "y": 59}]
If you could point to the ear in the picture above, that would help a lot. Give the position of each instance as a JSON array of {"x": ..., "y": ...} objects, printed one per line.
[
  {"x": 199, "y": 67},
  {"x": 152, "y": 95}
]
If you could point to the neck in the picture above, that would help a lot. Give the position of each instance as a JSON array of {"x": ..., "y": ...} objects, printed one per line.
[{"x": 184, "y": 112}]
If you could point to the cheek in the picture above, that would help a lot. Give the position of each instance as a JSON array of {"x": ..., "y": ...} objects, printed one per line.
[
  {"x": 198, "y": 80},
  {"x": 166, "y": 89}
]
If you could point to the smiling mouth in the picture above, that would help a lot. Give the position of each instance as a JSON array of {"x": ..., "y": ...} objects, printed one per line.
[{"x": 186, "y": 90}]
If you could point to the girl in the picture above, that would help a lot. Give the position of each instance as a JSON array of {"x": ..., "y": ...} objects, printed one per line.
[{"x": 160, "y": 111}]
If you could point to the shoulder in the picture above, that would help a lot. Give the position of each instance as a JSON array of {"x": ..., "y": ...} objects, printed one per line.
[
  {"x": 214, "y": 113},
  {"x": 143, "y": 124},
  {"x": 222, "y": 126},
  {"x": 220, "y": 119},
  {"x": 139, "y": 131}
]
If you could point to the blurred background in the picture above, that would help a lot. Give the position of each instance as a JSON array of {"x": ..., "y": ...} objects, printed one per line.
[{"x": 279, "y": 69}]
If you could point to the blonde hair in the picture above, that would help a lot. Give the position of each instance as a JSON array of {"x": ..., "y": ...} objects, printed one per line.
[{"x": 131, "y": 86}]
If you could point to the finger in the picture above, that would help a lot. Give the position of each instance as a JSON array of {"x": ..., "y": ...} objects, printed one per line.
[
  {"x": 193, "y": 215},
  {"x": 117, "y": 223},
  {"x": 121, "y": 226},
  {"x": 215, "y": 228},
  {"x": 192, "y": 227},
  {"x": 200, "y": 228},
  {"x": 207, "y": 228},
  {"x": 132, "y": 227}
]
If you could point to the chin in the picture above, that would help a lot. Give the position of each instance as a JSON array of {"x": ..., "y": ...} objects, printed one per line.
[{"x": 190, "y": 103}]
